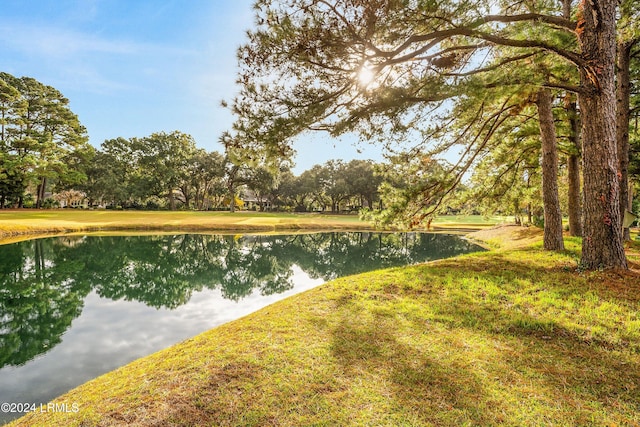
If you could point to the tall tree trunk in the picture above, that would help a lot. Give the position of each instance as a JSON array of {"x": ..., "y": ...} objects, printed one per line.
[
  {"x": 232, "y": 195},
  {"x": 573, "y": 168},
  {"x": 622, "y": 125},
  {"x": 573, "y": 193},
  {"x": 231, "y": 178},
  {"x": 232, "y": 198},
  {"x": 40, "y": 193},
  {"x": 602, "y": 244},
  {"x": 573, "y": 160},
  {"x": 186, "y": 192},
  {"x": 552, "y": 214},
  {"x": 172, "y": 200}
]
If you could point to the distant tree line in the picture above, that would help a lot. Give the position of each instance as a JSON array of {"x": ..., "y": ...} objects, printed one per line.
[
  {"x": 45, "y": 161},
  {"x": 167, "y": 171},
  {"x": 160, "y": 170}
]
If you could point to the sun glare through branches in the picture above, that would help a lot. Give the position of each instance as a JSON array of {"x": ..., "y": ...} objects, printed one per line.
[{"x": 366, "y": 76}]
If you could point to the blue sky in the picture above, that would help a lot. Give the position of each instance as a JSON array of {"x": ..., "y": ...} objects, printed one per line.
[{"x": 134, "y": 67}]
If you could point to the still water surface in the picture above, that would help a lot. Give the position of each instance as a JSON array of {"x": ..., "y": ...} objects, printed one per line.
[{"x": 75, "y": 307}]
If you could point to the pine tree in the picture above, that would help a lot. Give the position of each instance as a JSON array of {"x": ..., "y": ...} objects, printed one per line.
[{"x": 381, "y": 68}]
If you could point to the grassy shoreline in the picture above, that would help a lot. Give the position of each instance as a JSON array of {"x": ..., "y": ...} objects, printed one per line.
[
  {"x": 18, "y": 225},
  {"x": 516, "y": 336},
  {"x": 42, "y": 222}
]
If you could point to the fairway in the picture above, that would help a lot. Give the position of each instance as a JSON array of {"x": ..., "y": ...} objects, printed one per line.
[{"x": 32, "y": 223}]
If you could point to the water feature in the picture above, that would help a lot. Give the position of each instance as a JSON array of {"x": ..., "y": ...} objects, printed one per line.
[{"x": 74, "y": 307}]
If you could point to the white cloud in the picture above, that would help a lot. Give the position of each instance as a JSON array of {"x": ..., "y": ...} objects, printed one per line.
[
  {"x": 52, "y": 42},
  {"x": 55, "y": 42},
  {"x": 86, "y": 61}
]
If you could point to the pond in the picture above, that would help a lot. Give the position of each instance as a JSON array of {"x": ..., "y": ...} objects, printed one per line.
[{"x": 75, "y": 307}]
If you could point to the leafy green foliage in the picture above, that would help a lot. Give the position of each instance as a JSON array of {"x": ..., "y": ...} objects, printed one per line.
[
  {"x": 135, "y": 171},
  {"x": 413, "y": 187},
  {"x": 384, "y": 69},
  {"x": 395, "y": 71},
  {"x": 40, "y": 138},
  {"x": 335, "y": 185}
]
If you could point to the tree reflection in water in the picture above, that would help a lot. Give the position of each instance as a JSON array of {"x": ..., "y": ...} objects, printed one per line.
[{"x": 43, "y": 283}]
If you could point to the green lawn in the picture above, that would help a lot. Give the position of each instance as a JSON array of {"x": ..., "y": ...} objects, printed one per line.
[
  {"x": 473, "y": 220},
  {"x": 514, "y": 337},
  {"x": 32, "y": 222}
]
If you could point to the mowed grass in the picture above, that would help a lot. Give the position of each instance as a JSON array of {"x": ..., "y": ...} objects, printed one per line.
[
  {"x": 515, "y": 337},
  {"x": 470, "y": 222},
  {"x": 19, "y": 224}
]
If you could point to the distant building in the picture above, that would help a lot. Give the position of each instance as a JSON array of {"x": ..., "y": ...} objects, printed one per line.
[
  {"x": 71, "y": 199},
  {"x": 253, "y": 202}
]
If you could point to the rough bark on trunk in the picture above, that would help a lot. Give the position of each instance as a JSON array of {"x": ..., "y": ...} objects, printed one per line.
[
  {"x": 602, "y": 245},
  {"x": 575, "y": 210},
  {"x": 622, "y": 126},
  {"x": 552, "y": 214},
  {"x": 187, "y": 198},
  {"x": 566, "y": 9},
  {"x": 573, "y": 168}
]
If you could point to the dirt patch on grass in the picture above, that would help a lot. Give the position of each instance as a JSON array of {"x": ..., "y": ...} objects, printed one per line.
[
  {"x": 508, "y": 236},
  {"x": 621, "y": 283}
]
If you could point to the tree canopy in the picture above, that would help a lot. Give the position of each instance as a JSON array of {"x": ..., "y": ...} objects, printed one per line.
[
  {"x": 39, "y": 137},
  {"x": 388, "y": 68}
]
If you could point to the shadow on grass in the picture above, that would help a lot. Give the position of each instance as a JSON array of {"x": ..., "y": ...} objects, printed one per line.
[
  {"x": 510, "y": 342},
  {"x": 408, "y": 385}
]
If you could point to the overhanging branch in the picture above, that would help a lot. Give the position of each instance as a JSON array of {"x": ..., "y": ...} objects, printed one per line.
[
  {"x": 433, "y": 38},
  {"x": 493, "y": 67}
]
